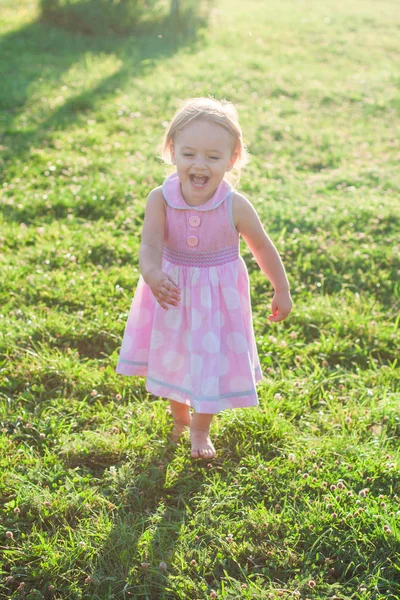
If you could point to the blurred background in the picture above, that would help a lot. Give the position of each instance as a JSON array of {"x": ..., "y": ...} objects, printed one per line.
[{"x": 306, "y": 484}]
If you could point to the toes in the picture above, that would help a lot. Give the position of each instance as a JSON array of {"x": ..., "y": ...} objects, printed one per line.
[
  {"x": 211, "y": 453},
  {"x": 203, "y": 453},
  {"x": 198, "y": 452}
]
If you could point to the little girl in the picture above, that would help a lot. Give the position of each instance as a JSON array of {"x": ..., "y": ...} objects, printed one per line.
[{"x": 189, "y": 329}]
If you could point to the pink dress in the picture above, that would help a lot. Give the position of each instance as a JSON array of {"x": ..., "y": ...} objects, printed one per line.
[{"x": 201, "y": 352}]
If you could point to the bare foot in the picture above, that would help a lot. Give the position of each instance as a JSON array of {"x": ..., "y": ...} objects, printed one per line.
[
  {"x": 177, "y": 430},
  {"x": 202, "y": 446}
]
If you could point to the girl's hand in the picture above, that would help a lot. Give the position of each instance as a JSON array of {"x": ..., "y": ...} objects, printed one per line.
[
  {"x": 281, "y": 306},
  {"x": 164, "y": 288}
]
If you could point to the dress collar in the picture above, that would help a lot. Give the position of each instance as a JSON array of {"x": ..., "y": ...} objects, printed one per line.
[{"x": 172, "y": 193}]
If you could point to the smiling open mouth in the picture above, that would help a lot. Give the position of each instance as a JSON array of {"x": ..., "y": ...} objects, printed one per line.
[{"x": 198, "y": 182}]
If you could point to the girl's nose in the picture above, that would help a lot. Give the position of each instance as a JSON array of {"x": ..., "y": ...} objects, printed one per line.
[{"x": 200, "y": 162}]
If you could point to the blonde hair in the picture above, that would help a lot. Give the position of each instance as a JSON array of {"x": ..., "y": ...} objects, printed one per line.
[{"x": 221, "y": 112}]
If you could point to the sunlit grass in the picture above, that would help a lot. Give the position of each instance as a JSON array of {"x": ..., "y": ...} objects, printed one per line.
[{"x": 302, "y": 500}]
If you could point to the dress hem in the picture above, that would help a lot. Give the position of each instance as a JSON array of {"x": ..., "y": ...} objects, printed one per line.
[{"x": 202, "y": 404}]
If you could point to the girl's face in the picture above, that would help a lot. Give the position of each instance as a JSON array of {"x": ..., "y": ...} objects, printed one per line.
[{"x": 203, "y": 152}]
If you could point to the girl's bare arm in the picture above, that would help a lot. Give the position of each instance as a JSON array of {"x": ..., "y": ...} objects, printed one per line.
[
  {"x": 151, "y": 245},
  {"x": 150, "y": 253},
  {"x": 267, "y": 257}
]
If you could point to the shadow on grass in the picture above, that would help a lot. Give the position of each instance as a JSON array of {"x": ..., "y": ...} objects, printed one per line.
[
  {"x": 142, "y": 504},
  {"x": 146, "y": 530},
  {"x": 157, "y": 497},
  {"x": 41, "y": 53},
  {"x": 127, "y": 18}
]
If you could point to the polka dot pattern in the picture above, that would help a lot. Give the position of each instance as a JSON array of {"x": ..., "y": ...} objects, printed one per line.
[
  {"x": 224, "y": 364},
  {"x": 240, "y": 383},
  {"x": 155, "y": 375},
  {"x": 196, "y": 319},
  {"x": 209, "y": 386},
  {"x": 196, "y": 363},
  {"x": 205, "y": 296},
  {"x": 187, "y": 382},
  {"x": 231, "y": 298},
  {"x": 140, "y": 318},
  {"x": 127, "y": 343},
  {"x": 219, "y": 319},
  {"x": 157, "y": 339},
  {"x": 211, "y": 342},
  {"x": 195, "y": 275},
  {"x": 214, "y": 279},
  {"x": 187, "y": 339},
  {"x": 186, "y": 297},
  {"x": 237, "y": 342},
  {"x": 173, "y": 318},
  {"x": 201, "y": 352},
  {"x": 173, "y": 361},
  {"x": 141, "y": 355}
]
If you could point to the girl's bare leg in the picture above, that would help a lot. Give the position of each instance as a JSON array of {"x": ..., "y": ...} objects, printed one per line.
[
  {"x": 202, "y": 446},
  {"x": 181, "y": 416}
]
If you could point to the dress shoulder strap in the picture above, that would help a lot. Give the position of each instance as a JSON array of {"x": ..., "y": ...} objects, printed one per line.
[{"x": 229, "y": 209}]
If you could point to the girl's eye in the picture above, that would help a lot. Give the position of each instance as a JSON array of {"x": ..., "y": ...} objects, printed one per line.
[{"x": 213, "y": 157}]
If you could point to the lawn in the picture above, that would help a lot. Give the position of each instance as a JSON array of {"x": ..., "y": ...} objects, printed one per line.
[{"x": 303, "y": 499}]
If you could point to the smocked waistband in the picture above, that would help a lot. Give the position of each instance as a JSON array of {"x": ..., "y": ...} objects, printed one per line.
[{"x": 201, "y": 259}]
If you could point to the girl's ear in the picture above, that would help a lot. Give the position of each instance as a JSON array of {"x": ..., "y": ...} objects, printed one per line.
[
  {"x": 232, "y": 161},
  {"x": 172, "y": 151}
]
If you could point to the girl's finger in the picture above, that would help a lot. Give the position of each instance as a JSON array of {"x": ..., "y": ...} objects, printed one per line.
[
  {"x": 173, "y": 290},
  {"x": 275, "y": 319},
  {"x": 172, "y": 281},
  {"x": 160, "y": 296},
  {"x": 170, "y": 298},
  {"x": 174, "y": 286},
  {"x": 172, "y": 293}
]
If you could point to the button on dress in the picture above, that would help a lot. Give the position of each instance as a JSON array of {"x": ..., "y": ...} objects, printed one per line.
[{"x": 201, "y": 352}]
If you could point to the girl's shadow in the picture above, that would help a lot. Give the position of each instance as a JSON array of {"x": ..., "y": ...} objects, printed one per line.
[{"x": 152, "y": 487}]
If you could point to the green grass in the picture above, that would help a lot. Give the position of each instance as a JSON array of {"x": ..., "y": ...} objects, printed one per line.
[{"x": 90, "y": 487}]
